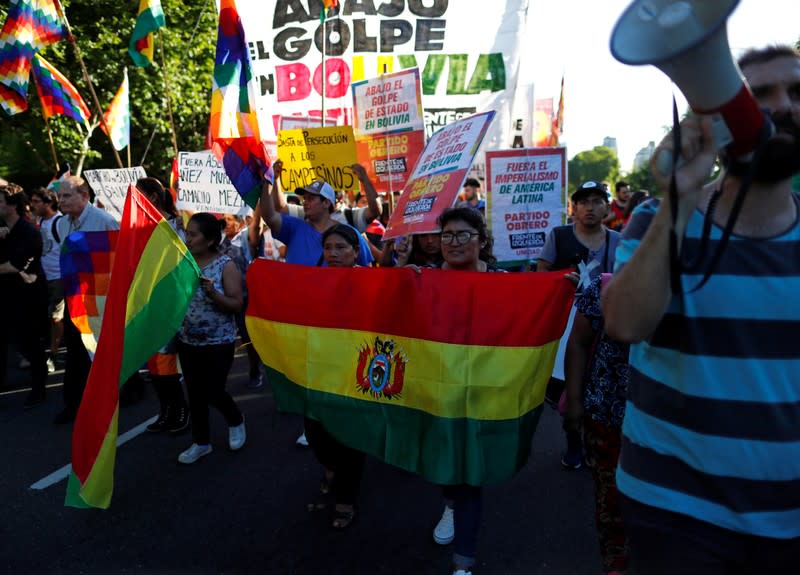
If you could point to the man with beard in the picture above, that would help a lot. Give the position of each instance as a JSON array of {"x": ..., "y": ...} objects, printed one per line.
[{"x": 710, "y": 464}]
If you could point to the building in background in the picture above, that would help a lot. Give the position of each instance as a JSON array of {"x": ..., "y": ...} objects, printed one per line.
[
  {"x": 610, "y": 142},
  {"x": 643, "y": 156}
]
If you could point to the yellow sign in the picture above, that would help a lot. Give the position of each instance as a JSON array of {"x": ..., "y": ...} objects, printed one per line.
[{"x": 318, "y": 153}]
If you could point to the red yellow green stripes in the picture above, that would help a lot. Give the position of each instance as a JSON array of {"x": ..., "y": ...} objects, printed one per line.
[
  {"x": 152, "y": 282},
  {"x": 149, "y": 19},
  {"x": 441, "y": 373}
]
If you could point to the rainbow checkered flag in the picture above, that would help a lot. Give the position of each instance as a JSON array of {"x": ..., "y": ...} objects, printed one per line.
[
  {"x": 234, "y": 125},
  {"x": 57, "y": 94},
  {"x": 118, "y": 116},
  {"x": 30, "y": 26}
]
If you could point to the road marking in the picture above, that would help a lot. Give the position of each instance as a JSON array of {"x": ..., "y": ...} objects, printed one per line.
[{"x": 63, "y": 473}]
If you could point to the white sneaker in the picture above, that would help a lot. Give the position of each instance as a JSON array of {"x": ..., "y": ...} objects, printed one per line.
[
  {"x": 302, "y": 441},
  {"x": 237, "y": 435},
  {"x": 445, "y": 530},
  {"x": 51, "y": 366},
  {"x": 194, "y": 453}
]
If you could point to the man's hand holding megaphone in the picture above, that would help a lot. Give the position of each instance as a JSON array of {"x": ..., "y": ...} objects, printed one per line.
[{"x": 697, "y": 156}]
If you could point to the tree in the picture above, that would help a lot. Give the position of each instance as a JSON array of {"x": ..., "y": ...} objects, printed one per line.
[
  {"x": 103, "y": 30},
  {"x": 599, "y": 164},
  {"x": 642, "y": 179}
]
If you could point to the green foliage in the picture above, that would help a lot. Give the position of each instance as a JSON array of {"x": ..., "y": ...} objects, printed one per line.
[
  {"x": 103, "y": 29},
  {"x": 642, "y": 179},
  {"x": 599, "y": 164}
]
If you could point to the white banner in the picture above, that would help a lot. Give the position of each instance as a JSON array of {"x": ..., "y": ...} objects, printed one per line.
[
  {"x": 525, "y": 200},
  {"x": 203, "y": 186},
  {"x": 468, "y": 56},
  {"x": 111, "y": 186}
]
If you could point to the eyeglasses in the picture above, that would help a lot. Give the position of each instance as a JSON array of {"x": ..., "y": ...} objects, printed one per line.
[{"x": 459, "y": 238}]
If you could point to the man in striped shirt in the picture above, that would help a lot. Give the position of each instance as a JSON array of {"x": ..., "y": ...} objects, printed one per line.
[{"x": 710, "y": 464}]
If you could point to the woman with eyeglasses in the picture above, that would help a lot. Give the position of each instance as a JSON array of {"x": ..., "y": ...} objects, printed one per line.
[{"x": 467, "y": 247}]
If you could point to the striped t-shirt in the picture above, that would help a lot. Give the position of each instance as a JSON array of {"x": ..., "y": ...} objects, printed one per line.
[{"x": 712, "y": 424}]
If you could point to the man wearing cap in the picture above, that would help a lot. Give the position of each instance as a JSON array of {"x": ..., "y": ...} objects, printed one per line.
[
  {"x": 586, "y": 241},
  {"x": 359, "y": 217},
  {"x": 586, "y": 247},
  {"x": 303, "y": 237}
]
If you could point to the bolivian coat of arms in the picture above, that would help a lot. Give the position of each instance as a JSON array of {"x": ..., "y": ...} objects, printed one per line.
[{"x": 381, "y": 369}]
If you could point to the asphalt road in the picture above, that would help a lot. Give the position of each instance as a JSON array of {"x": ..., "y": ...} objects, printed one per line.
[{"x": 246, "y": 512}]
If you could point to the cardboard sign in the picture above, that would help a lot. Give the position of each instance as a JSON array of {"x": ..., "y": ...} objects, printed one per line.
[
  {"x": 525, "y": 200},
  {"x": 389, "y": 128},
  {"x": 318, "y": 153},
  {"x": 111, "y": 186},
  {"x": 438, "y": 175},
  {"x": 203, "y": 186}
]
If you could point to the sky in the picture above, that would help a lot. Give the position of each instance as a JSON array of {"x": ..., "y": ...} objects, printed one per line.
[{"x": 606, "y": 98}]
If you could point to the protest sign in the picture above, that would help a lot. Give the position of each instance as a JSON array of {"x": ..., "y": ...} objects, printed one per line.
[
  {"x": 301, "y": 122},
  {"x": 318, "y": 153},
  {"x": 525, "y": 200},
  {"x": 111, "y": 186},
  {"x": 468, "y": 56},
  {"x": 389, "y": 129},
  {"x": 203, "y": 186},
  {"x": 437, "y": 177}
]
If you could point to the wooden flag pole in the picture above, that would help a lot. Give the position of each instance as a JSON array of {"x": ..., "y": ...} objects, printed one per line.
[
  {"x": 166, "y": 92},
  {"x": 324, "y": 76},
  {"x": 52, "y": 144},
  {"x": 88, "y": 80}
]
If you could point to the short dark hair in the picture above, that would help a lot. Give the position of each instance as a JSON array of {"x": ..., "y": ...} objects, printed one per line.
[
  {"x": 767, "y": 54},
  {"x": 472, "y": 183},
  {"x": 47, "y": 196},
  {"x": 15, "y": 196},
  {"x": 210, "y": 227},
  {"x": 347, "y": 233},
  {"x": 476, "y": 220},
  {"x": 621, "y": 184}
]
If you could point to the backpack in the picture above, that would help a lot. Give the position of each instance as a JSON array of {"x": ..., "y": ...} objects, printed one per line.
[
  {"x": 54, "y": 228},
  {"x": 570, "y": 251}
]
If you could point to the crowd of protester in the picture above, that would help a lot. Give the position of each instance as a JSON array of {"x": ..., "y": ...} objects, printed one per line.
[{"x": 650, "y": 403}]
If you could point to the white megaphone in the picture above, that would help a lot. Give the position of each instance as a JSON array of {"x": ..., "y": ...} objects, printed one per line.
[{"x": 688, "y": 41}]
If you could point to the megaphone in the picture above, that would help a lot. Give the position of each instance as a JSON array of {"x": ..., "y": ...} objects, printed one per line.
[{"x": 688, "y": 41}]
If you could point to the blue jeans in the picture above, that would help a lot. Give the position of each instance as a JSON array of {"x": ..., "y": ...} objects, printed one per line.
[{"x": 467, "y": 503}]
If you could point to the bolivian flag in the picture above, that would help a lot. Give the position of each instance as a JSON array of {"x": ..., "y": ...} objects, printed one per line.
[
  {"x": 441, "y": 373},
  {"x": 152, "y": 282},
  {"x": 149, "y": 19}
]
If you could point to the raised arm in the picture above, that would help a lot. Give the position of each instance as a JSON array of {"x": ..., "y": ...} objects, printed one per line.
[
  {"x": 279, "y": 198},
  {"x": 636, "y": 299},
  {"x": 373, "y": 203},
  {"x": 270, "y": 215},
  {"x": 255, "y": 230}
]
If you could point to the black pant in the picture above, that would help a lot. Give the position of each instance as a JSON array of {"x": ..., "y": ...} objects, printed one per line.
[
  {"x": 77, "y": 365},
  {"x": 205, "y": 370},
  {"x": 665, "y": 543},
  {"x": 347, "y": 464},
  {"x": 26, "y": 326}
]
